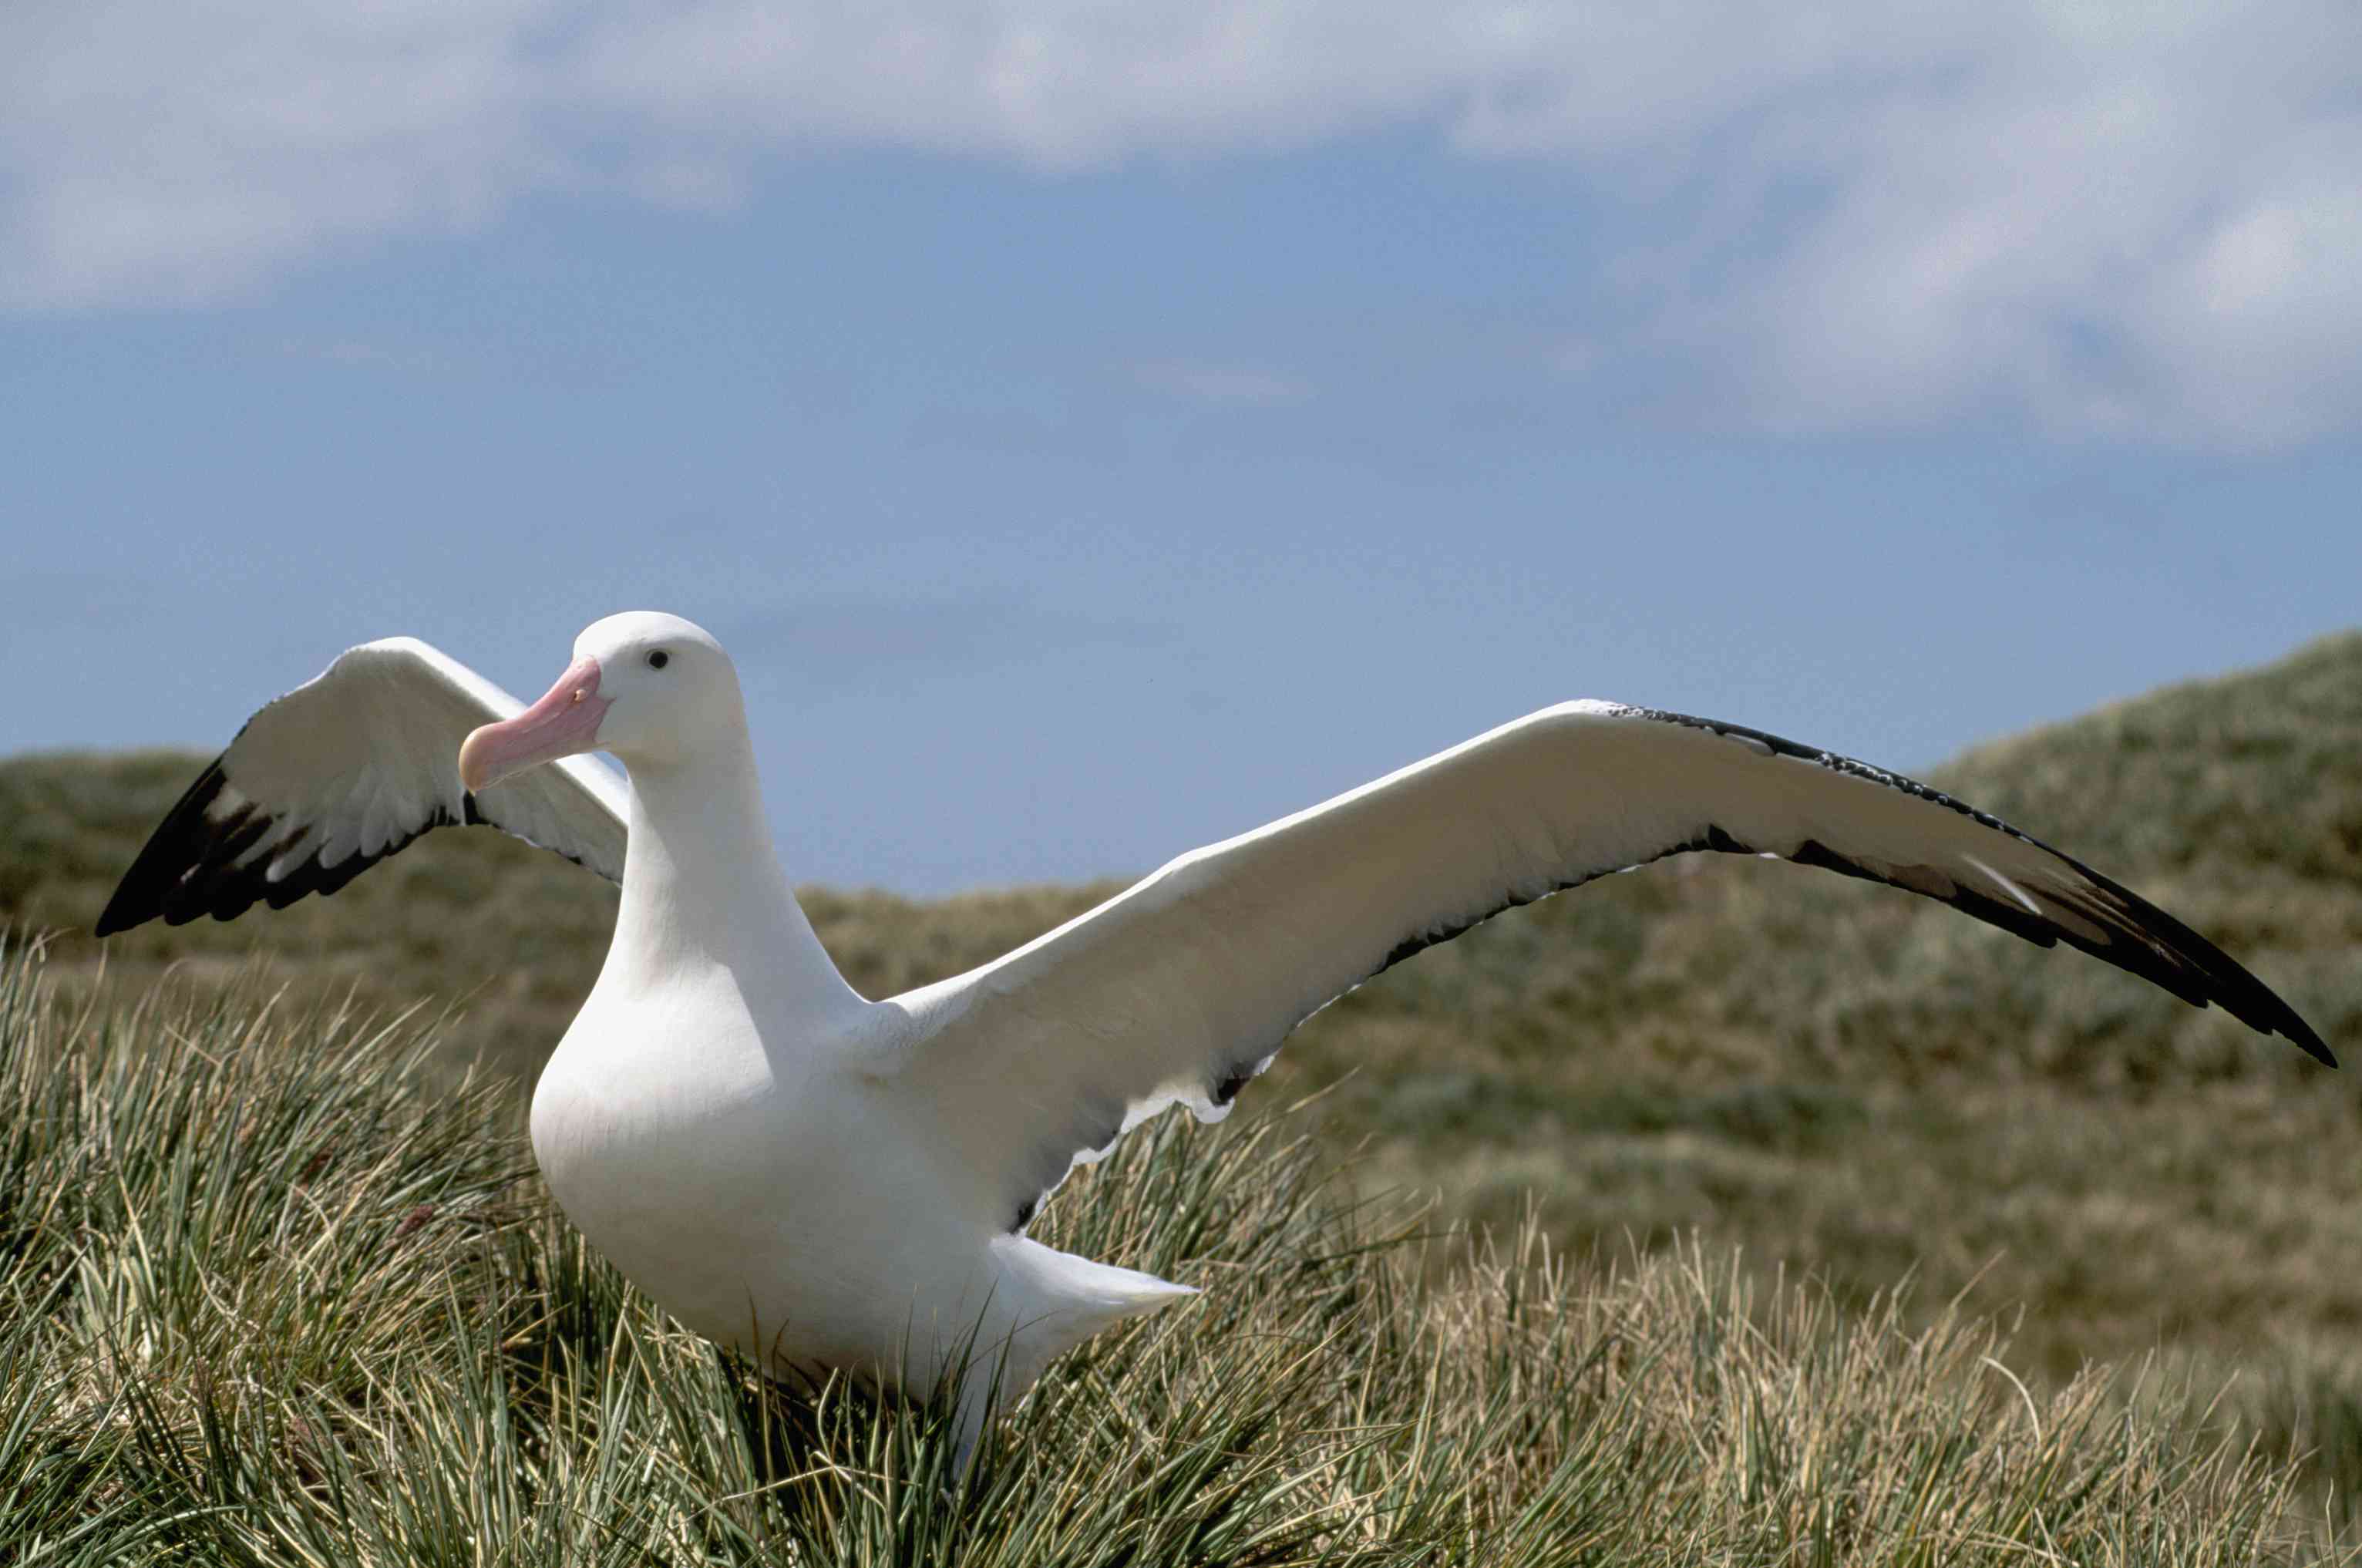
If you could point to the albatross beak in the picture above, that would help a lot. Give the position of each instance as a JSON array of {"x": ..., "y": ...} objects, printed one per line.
[{"x": 563, "y": 723}]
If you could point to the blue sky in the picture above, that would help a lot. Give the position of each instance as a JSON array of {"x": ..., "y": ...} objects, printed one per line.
[{"x": 1098, "y": 432}]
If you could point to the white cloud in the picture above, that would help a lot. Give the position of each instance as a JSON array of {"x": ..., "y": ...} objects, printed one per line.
[
  {"x": 1205, "y": 382},
  {"x": 165, "y": 154},
  {"x": 2100, "y": 217}
]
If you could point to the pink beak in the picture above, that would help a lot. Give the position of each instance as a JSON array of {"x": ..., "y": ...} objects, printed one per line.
[{"x": 562, "y": 724}]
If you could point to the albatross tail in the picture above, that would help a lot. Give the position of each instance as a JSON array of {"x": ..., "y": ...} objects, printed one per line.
[
  {"x": 1057, "y": 1300},
  {"x": 1050, "y": 1302}
]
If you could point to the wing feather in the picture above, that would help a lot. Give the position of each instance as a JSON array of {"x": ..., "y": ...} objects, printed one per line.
[
  {"x": 342, "y": 772},
  {"x": 1181, "y": 987}
]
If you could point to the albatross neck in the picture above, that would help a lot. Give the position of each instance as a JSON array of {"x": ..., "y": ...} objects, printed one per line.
[{"x": 702, "y": 886}]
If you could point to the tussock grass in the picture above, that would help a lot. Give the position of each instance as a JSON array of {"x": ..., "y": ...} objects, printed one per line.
[{"x": 276, "y": 1293}]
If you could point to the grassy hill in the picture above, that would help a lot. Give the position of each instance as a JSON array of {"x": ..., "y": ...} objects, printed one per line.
[{"x": 1847, "y": 1082}]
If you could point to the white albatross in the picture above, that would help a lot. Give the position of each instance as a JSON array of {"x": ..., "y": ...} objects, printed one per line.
[{"x": 823, "y": 1181}]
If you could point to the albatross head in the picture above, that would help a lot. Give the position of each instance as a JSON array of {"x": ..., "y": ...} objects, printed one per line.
[{"x": 650, "y": 688}]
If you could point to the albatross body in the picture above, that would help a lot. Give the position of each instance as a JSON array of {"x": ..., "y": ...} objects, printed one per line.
[
  {"x": 823, "y": 1181},
  {"x": 716, "y": 1121}
]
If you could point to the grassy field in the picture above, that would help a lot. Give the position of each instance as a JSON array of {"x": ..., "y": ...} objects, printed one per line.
[
  {"x": 1714, "y": 1054},
  {"x": 277, "y": 1293}
]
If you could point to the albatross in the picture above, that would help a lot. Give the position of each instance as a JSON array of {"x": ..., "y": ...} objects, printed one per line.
[{"x": 825, "y": 1182}]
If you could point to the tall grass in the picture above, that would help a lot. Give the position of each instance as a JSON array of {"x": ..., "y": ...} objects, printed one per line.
[{"x": 274, "y": 1294}]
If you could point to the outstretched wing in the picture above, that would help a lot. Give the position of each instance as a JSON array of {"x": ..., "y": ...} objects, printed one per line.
[
  {"x": 1181, "y": 987},
  {"x": 345, "y": 770}
]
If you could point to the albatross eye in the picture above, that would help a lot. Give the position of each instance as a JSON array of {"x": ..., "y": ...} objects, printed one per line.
[{"x": 658, "y": 660}]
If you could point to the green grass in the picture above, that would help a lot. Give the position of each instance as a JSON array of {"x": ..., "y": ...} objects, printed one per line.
[
  {"x": 278, "y": 1293},
  {"x": 1849, "y": 1085}
]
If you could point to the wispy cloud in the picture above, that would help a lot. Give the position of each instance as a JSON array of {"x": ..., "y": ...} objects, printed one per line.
[
  {"x": 1210, "y": 382},
  {"x": 1850, "y": 215}
]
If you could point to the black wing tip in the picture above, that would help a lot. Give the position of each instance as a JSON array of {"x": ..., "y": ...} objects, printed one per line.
[
  {"x": 147, "y": 887},
  {"x": 189, "y": 867},
  {"x": 123, "y": 911},
  {"x": 2297, "y": 1031},
  {"x": 2208, "y": 974},
  {"x": 2263, "y": 1010},
  {"x": 2200, "y": 973}
]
